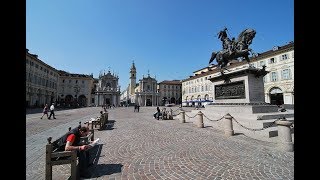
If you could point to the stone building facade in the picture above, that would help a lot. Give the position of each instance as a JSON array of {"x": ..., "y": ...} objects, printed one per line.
[
  {"x": 107, "y": 90},
  {"x": 197, "y": 90},
  {"x": 170, "y": 92},
  {"x": 41, "y": 82},
  {"x": 279, "y": 82},
  {"x": 74, "y": 90}
]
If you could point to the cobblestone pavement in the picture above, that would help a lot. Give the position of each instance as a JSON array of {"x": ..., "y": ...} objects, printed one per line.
[{"x": 136, "y": 146}]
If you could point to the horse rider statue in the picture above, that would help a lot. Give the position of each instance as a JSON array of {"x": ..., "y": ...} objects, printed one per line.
[
  {"x": 234, "y": 48},
  {"x": 227, "y": 44}
]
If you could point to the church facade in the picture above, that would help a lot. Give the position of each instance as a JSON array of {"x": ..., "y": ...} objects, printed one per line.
[
  {"x": 107, "y": 90},
  {"x": 143, "y": 93}
]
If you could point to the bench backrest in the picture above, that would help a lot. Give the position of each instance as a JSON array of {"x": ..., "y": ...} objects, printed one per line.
[{"x": 59, "y": 144}]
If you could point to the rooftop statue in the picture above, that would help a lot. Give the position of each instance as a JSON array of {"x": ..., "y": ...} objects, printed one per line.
[{"x": 234, "y": 48}]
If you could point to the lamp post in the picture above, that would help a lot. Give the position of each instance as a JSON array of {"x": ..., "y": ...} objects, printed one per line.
[{"x": 76, "y": 90}]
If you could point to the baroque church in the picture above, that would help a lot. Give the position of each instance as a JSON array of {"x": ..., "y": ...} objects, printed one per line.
[
  {"x": 143, "y": 93},
  {"x": 107, "y": 90}
]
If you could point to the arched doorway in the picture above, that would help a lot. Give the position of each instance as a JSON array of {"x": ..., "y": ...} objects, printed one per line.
[
  {"x": 148, "y": 102},
  {"x": 82, "y": 100},
  {"x": 173, "y": 100},
  {"x": 69, "y": 100},
  {"x": 276, "y": 96}
]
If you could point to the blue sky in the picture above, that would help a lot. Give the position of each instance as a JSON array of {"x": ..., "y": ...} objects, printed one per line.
[{"x": 169, "y": 38}]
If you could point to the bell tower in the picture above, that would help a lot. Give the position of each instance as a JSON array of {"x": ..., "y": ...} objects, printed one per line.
[{"x": 133, "y": 74}]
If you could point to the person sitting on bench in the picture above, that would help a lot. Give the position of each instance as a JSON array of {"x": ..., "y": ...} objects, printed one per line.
[{"x": 72, "y": 142}]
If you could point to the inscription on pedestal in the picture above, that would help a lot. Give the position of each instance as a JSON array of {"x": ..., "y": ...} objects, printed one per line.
[{"x": 234, "y": 90}]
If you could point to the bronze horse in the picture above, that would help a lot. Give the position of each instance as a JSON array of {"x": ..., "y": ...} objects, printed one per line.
[{"x": 240, "y": 49}]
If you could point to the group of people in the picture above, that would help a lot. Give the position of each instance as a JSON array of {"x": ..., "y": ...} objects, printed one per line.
[{"x": 46, "y": 110}]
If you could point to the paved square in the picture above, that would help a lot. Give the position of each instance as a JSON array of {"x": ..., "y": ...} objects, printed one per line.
[{"x": 137, "y": 146}]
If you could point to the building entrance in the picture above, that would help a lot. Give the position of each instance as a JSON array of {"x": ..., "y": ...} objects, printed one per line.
[
  {"x": 276, "y": 96},
  {"x": 149, "y": 102}
]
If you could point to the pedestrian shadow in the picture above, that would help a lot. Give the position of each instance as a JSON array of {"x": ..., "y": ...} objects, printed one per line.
[{"x": 106, "y": 169}]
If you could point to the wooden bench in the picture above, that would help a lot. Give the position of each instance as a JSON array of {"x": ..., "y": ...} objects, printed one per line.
[
  {"x": 56, "y": 156},
  {"x": 102, "y": 120}
]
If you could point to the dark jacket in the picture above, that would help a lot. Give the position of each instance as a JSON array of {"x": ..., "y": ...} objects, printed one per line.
[{"x": 61, "y": 143}]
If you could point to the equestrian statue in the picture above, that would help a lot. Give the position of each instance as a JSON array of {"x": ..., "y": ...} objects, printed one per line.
[{"x": 234, "y": 48}]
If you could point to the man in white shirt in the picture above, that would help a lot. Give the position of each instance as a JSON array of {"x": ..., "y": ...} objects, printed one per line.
[{"x": 52, "y": 111}]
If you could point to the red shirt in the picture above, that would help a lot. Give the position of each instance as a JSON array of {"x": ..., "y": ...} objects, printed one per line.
[{"x": 71, "y": 138}]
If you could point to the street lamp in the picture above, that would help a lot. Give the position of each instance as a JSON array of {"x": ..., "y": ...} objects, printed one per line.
[{"x": 76, "y": 90}]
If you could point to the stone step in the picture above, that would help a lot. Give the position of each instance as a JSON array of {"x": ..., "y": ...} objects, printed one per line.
[
  {"x": 273, "y": 115},
  {"x": 267, "y": 123}
]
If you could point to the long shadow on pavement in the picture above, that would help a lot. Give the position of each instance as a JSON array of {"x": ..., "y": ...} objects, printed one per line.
[
  {"x": 106, "y": 169},
  {"x": 109, "y": 125},
  {"x": 99, "y": 170}
]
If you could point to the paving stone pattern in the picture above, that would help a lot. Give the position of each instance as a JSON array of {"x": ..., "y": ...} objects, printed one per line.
[{"x": 137, "y": 146}]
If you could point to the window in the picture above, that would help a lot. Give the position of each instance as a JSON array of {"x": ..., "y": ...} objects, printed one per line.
[
  {"x": 70, "y": 81},
  {"x": 285, "y": 74},
  {"x": 82, "y": 82},
  {"x": 63, "y": 81},
  {"x": 272, "y": 60},
  {"x": 284, "y": 56},
  {"x": 76, "y": 81},
  {"x": 274, "y": 76}
]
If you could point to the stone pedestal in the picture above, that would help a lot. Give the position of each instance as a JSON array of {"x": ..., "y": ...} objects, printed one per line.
[
  {"x": 228, "y": 128},
  {"x": 239, "y": 91},
  {"x": 285, "y": 138},
  {"x": 200, "y": 120},
  {"x": 242, "y": 85},
  {"x": 182, "y": 116}
]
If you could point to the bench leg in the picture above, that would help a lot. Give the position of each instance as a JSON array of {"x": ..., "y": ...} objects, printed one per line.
[
  {"x": 48, "y": 171},
  {"x": 48, "y": 162},
  {"x": 74, "y": 167}
]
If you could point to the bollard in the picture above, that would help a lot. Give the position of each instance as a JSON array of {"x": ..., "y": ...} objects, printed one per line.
[
  {"x": 171, "y": 115},
  {"x": 183, "y": 116},
  {"x": 200, "y": 120},
  {"x": 284, "y": 134},
  {"x": 228, "y": 128}
]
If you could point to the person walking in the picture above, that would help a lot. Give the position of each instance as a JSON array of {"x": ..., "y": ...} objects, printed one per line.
[
  {"x": 52, "y": 112},
  {"x": 158, "y": 113},
  {"x": 45, "y": 111}
]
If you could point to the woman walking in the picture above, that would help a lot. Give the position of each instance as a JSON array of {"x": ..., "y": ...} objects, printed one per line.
[{"x": 45, "y": 111}]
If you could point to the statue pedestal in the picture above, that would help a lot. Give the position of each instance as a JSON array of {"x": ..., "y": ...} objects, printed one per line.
[
  {"x": 239, "y": 85},
  {"x": 240, "y": 92}
]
